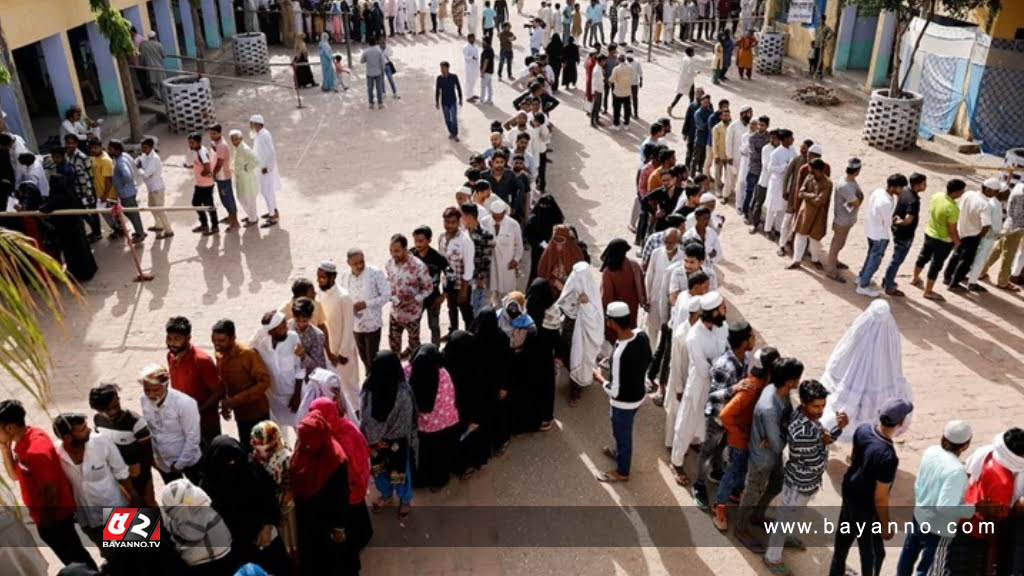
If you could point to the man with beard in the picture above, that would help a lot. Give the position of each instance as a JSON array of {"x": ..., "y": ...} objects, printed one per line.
[
  {"x": 505, "y": 185},
  {"x": 245, "y": 380},
  {"x": 281, "y": 352},
  {"x": 194, "y": 374},
  {"x": 690, "y": 124},
  {"x": 410, "y": 286},
  {"x": 521, "y": 172},
  {"x": 98, "y": 475},
  {"x": 173, "y": 420},
  {"x": 755, "y": 143},
  {"x": 458, "y": 249},
  {"x": 339, "y": 319},
  {"x": 733, "y": 153}
]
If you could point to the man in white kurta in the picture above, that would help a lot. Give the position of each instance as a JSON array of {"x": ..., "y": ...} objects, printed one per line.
[
  {"x": 471, "y": 55},
  {"x": 668, "y": 13},
  {"x": 339, "y": 317},
  {"x": 679, "y": 365},
  {"x": 707, "y": 340},
  {"x": 508, "y": 249},
  {"x": 270, "y": 179},
  {"x": 656, "y": 278},
  {"x": 775, "y": 204},
  {"x": 473, "y": 20},
  {"x": 733, "y": 150},
  {"x": 278, "y": 348},
  {"x": 744, "y": 165},
  {"x": 581, "y": 300}
]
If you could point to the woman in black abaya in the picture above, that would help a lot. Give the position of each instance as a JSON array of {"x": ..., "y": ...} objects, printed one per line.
[{"x": 68, "y": 232}]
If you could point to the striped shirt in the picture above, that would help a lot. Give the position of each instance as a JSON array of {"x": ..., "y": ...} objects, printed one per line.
[
  {"x": 808, "y": 455},
  {"x": 726, "y": 371}
]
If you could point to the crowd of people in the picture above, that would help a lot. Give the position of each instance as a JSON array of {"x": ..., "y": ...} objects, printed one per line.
[{"x": 320, "y": 409}]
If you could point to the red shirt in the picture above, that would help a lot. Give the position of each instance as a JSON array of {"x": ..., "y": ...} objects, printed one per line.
[
  {"x": 39, "y": 465},
  {"x": 995, "y": 484},
  {"x": 195, "y": 374}
]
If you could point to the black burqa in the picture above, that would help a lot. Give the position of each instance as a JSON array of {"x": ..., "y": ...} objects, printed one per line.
[
  {"x": 245, "y": 496},
  {"x": 538, "y": 299},
  {"x": 68, "y": 232},
  {"x": 554, "y": 51},
  {"x": 494, "y": 355},
  {"x": 475, "y": 397},
  {"x": 570, "y": 62},
  {"x": 542, "y": 220},
  {"x": 435, "y": 463}
]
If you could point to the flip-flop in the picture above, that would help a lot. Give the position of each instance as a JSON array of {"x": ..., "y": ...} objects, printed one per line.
[
  {"x": 777, "y": 567},
  {"x": 1009, "y": 288},
  {"x": 379, "y": 505},
  {"x": 795, "y": 543},
  {"x": 934, "y": 297},
  {"x": 609, "y": 479},
  {"x": 682, "y": 479},
  {"x": 404, "y": 510}
]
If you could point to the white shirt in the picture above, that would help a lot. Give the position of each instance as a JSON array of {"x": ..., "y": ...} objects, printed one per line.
[
  {"x": 285, "y": 368},
  {"x": 712, "y": 247},
  {"x": 766, "y": 156},
  {"x": 597, "y": 80},
  {"x": 372, "y": 288},
  {"x": 638, "y": 71},
  {"x": 174, "y": 426},
  {"x": 94, "y": 482},
  {"x": 975, "y": 214},
  {"x": 263, "y": 146},
  {"x": 36, "y": 174},
  {"x": 536, "y": 35},
  {"x": 878, "y": 223},
  {"x": 687, "y": 72},
  {"x": 152, "y": 169},
  {"x": 338, "y": 316},
  {"x": 734, "y": 142},
  {"x": 77, "y": 128},
  {"x": 459, "y": 248},
  {"x": 471, "y": 55},
  {"x": 996, "y": 209}
]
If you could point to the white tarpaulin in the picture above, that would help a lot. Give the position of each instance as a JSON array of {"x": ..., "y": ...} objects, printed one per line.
[{"x": 801, "y": 11}]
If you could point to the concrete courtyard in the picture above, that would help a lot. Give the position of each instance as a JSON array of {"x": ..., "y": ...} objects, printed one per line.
[{"x": 352, "y": 177}]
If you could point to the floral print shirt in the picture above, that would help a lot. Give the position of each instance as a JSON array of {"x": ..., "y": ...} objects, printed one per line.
[
  {"x": 410, "y": 284},
  {"x": 444, "y": 414}
]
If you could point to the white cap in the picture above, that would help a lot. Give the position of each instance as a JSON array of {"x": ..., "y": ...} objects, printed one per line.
[
  {"x": 256, "y": 119},
  {"x": 707, "y": 197},
  {"x": 152, "y": 34},
  {"x": 815, "y": 149},
  {"x": 711, "y": 301},
  {"x": 617, "y": 310},
  {"x": 498, "y": 206},
  {"x": 958, "y": 432},
  {"x": 994, "y": 184},
  {"x": 465, "y": 190},
  {"x": 693, "y": 306},
  {"x": 745, "y": 108},
  {"x": 328, "y": 266}
]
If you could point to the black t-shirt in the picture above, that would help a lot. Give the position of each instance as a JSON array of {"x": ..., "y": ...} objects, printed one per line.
[
  {"x": 874, "y": 460},
  {"x": 127, "y": 433},
  {"x": 436, "y": 264},
  {"x": 907, "y": 204},
  {"x": 487, "y": 56}
]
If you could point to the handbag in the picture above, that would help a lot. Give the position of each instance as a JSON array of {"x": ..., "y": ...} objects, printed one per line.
[{"x": 390, "y": 67}]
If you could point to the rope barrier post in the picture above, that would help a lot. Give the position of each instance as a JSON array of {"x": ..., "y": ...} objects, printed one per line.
[
  {"x": 140, "y": 275},
  {"x": 348, "y": 37}
]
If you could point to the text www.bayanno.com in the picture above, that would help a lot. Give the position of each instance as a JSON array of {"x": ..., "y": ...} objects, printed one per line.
[{"x": 859, "y": 529}]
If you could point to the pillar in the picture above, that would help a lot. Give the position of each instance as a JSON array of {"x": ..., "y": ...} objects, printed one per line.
[
  {"x": 187, "y": 27},
  {"x": 881, "y": 53},
  {"x": 165, "y": 32},
  {"x": 59, "y": 67},
  {"x": 106, "y": 69},
  {"x": 138, "y": 19},
  {"x": 844, "y": 37},
  {"x": 227, "y": 18},
  {"x": 211, "y": 30}
]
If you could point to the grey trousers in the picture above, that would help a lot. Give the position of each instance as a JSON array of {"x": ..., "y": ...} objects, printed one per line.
[{"x": 763, "y": 484}]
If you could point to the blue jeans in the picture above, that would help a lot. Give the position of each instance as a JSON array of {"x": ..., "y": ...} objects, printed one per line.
[
  {"x": 375, "y": 83},
  {"x": 227, "y": 196},
  {"x": 900, "y": 249},
  {"x": 622, "y": 430},
  {"x": 748, "y": 199},
  {"x": 451, "y": 118},
  {"x": 734, "y": 475},
  {"x": 478, "y": 299},
  {"x": 921, "y": 545},
  {"x": 133, "y": 217},
  {"x": 873, "y": 259},
  {"x": 387, "y": 489},
  {"x": 505, "y": 58},
  {"x": 391, "y": 81}
]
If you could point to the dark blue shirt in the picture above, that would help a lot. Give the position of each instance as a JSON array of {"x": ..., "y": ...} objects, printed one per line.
[
  {"x": 874, "y": 460},
  {"x": 448, "y": 91},
  {"x": 700, "y": 121}
]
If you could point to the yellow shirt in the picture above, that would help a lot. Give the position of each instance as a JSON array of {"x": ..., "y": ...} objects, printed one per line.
[
  {"x": 621, "y": 80},
  {"x": 103, "y": 168},
  {"x": 718, "y": 151}
]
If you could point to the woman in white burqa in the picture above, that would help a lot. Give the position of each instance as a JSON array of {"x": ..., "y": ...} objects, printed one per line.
[
  {"x": 865, "y": 369},
  {"x": 581, "y": 299}
]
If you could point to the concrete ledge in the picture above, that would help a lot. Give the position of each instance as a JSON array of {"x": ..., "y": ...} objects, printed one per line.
[{"x": 957, "y": 144}]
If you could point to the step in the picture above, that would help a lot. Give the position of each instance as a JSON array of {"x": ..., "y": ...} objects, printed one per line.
[{"x": 957, "y": 144}]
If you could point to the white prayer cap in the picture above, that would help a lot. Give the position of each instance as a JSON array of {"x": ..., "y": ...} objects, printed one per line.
[
  {"x": 499, "y": 206},
  {"x": 152, "y": 34},
  {"x": 994, "y": 184},
  {"x": 711, "y": 301},
  {"x": 465, "y": 190},
  {"x": 746, "y": 108},
  {"x": 958, "y": 432},
  {"x": 617, "y": 310},
  {"x": 256, "y": 119},
  {"x": 815, "y": 149},
  {"x": 581, "y": 267},
  {"x": 153, "y": 374},
  {"x": 275, "y": 321},
  {"x": 328, "y": 266},
  {"x": 707, "y": 197},
  {"x": 234, "y": 133},
  {"x": 693, "y": 306}
]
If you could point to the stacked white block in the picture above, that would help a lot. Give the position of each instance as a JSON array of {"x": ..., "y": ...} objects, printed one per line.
[
  {"x": 251, "y": 55},
  {"x": 771, "y": 47},
  {"x": 189, "y": 103},
  {"x": 892, "y": 123}
]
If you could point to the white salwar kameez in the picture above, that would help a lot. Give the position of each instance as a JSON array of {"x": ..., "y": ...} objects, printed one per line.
[
  {"x": 744, "y": 169},
  {"x": 703, "y": 345},
  {"x": 339, "y": 318},
  {"x": 865, "y": 370},
  {"x": 270, "y": 183},
  {"x": 471, "y": 55},
  {"x": 588, "y": 333},
  {"x": 679, "y": 366},
  {"x": 733, "y": 151},
  {"x": 508, "y": 246},
  {"x": 285, "y": 368},
  {"x": 656, "y": 279},
  {"x": 775, "y": 204}
]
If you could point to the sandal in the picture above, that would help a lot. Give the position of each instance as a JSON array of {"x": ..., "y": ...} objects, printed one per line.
[
  {"x": 682, "y": 479},
  {"x": 1009, "y": 288},
  {"x": 379, "y": 504},
  {"x": 545, "y": 426},
  {"x": 271, "y": 222},
  {"x": 777, "y": 567},
  {"x": 934, "y": 296},
  {"x": 403, "y": 510},
  {"x": 611, "y": 478}
]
